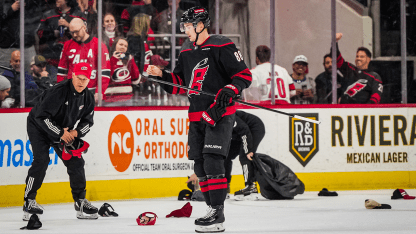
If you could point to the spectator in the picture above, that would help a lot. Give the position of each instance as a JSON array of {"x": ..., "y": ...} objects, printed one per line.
[
  {"x": 164, "y": 19},
  {"x": 40, "y": 74},
  {"x": 110, "y": 29},
  {"x": 137, "y": 39},
  {"x": 51, "y": 38},
  {"x": 10, "y": 28},
  {"x": 13, "y": 75},
  {"x": 5, "y": 87},
  {"x": 132, "y": 19},
  {"x": 124, "y": 74},
  {"x": 89, "y": 9},
  {"x": 364, "y": 86},
  {"x": 305, "y": 86},
  {"x": 260, "y": 88},
  {"x": 84, "y": 48},
  {"x": 324, "y": 83}
]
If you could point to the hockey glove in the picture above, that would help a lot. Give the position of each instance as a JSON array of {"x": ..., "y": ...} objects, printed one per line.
[
  {"x": 226, "y": 95},
  {"x": 213, "y": 114}
]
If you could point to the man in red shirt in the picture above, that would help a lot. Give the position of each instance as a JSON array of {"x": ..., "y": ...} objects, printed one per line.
[{"x": 84, "y": 48}]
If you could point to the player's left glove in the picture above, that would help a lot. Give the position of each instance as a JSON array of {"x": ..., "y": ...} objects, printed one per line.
[
  {"x": 226, "y": 95},
  {"x": 213, "y": 114}
]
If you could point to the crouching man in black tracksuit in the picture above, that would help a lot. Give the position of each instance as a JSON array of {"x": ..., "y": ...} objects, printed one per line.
[
  {"x": 51, "y": 122},
  {"x": 248, "y": 132}
]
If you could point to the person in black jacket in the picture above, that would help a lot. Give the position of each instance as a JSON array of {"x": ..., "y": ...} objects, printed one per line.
[
  {"x": 363, "y": 86},
  {"x": 248, "y": 132},
  {"x": 51, "y": 122}
]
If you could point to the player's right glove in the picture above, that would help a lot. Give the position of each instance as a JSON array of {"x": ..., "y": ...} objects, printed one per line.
[
  {"x": 213, "y": 114},
  {"x": 226, "y": 95}
]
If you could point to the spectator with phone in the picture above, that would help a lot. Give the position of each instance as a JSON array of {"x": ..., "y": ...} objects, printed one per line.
[
  {"x": 124, "y": 74},
  {"x": 305, "y": 86}
]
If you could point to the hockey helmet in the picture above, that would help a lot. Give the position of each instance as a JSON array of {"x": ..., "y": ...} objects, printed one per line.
[
  {"x": 73, "y": 149},
  {"x": 194, "y": 15}
]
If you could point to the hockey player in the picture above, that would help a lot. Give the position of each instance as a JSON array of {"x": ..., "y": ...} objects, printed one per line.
[
  {"x": 364, "y": 86},
  {"x": 284, "y": 87},
  {"x": 248, "y": 132},
  {"x": 211, "y": 64},
  {"x": 84, "y": 48},
  {"x": 53, "y": 119}
]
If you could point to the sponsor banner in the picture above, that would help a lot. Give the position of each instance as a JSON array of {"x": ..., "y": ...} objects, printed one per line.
[{"x": 153, "y": 143}]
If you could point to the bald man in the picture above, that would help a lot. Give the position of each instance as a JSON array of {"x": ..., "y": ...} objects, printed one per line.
[{"x": 84, "y": 48}]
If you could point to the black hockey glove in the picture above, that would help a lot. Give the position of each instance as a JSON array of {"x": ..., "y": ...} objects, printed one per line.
[
  {"x": 226, "y": 95},
  {"x": 213, "y": 114}
]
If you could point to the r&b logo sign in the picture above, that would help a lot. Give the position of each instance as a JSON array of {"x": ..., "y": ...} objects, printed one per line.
[
  {"x": 304, "y": 142},
  {"x": 120, "y": 143}
]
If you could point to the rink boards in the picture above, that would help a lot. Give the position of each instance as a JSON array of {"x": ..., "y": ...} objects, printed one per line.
[{"x": 142, "y": 152}]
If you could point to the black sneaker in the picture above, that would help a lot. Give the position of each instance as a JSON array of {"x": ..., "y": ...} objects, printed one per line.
[
  {"x": 85, "y": 210},
  {"x": 250, "y": 192},
  {"x": 215, "y": 215}
]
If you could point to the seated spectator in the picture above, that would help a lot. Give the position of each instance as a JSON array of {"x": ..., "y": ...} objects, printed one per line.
[
  {"x": 260, "y": 88},
  {"x": 324, "y": 83},
  {"x": 54, "y": 29},
  {"x": 110, "y": 31},
  {"x": 5, "y": 87},
  {"x": 364, "y": 86},
  {"x": 305, "y": 86},
  {"x": 13, "y": 75},
  {"x": 89, "y": 9},
  {"x": 41, "y": 78},
  {"x": 124, "y": 74}
]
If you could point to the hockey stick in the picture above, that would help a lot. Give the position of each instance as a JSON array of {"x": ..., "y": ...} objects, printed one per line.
[{"x": 236, "y": 100}]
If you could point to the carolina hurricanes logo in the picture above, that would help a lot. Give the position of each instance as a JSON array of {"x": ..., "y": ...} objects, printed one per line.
[
  {"x": 198, "y": 76},
  {"x": 121, "y": 74}
]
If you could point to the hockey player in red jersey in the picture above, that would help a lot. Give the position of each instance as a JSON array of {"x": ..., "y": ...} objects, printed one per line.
[
  {"x": 84, "y": 48},
  {"x": 212, "y": 64},
  {"x": 364, "y": 86}
]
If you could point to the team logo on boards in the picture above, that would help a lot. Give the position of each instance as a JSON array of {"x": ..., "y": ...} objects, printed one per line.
[
  {"x": 120, "y": 143},
  {"x": 303, "y": 138}
]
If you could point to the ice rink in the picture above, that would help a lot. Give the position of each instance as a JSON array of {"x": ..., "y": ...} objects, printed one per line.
[{"x": 307, "y": 213}]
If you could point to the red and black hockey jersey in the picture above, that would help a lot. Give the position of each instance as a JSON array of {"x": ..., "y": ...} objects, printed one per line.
[
  {"x": 364, "y": 86},
  {"x": 87, "y": 52},
  {"x": 122, "y": 77},
  {"x": 208, "y": 67}
]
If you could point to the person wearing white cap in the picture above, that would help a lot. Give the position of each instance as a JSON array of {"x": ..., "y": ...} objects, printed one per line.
[
  {"x": 305, "y": 86},
  {"x": 4, "y": 91}
]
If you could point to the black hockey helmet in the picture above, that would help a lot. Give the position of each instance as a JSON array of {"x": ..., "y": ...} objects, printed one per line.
[{"x": 194, "y": 15}]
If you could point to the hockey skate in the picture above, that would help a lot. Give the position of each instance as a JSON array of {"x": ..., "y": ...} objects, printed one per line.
[
  {"x": 85, "y": 210},
  {"x": 248, "y": 193},
  {"x": 212, "y": 221},
  {"x": 31, "y": 207}
]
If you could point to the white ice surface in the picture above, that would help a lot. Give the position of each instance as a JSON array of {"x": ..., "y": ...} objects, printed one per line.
[{"x": 307, "y": 213}]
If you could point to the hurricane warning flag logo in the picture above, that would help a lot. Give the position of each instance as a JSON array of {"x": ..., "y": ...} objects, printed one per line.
[
  {"x": 120, "y": 143},
  {"x": 304, "y": 140}
]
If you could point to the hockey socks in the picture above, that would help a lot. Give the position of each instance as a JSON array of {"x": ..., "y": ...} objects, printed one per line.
[
  {"x": 216, "y": 186},
  {"x": 203, "y": 184}
]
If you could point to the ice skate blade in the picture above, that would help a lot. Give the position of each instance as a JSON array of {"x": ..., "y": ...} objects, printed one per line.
[
  {"x": 218, "y": 227},
  {"x": 80, "y": 215},
  {"x": 251, "y": 197}
]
